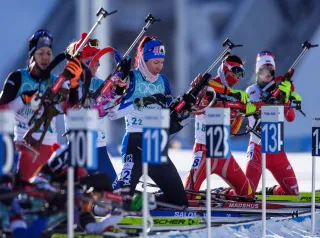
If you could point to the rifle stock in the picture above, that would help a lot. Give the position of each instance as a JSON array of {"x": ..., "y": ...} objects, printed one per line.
[
  {"x": 49, "y": 112},
  {"x": 180, "y": 109}
]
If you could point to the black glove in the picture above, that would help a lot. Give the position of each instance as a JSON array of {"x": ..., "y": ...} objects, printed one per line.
[
  {"x": 157, "y": 98},
  {"x": 175, "y": 124},
  {"x": 125, "y": 65}
]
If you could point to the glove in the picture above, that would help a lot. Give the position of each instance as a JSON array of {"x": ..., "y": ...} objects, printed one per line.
[
  {"x": 175, "y": 124},
  {"x": 73, "y": 71},
  {"x": 296, "y": 96},
  {"x": 125, "y": 65},
  {"x": 157, "y": 98},
  {"x": 285, "y": 87},
  {"x": 250, "y": 108},
  {"x": 239, "y": 94},
  {"x": 117, "y": 79}
]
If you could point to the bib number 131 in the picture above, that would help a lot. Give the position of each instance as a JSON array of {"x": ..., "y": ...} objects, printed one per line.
[{"x": 272, "y": 137}]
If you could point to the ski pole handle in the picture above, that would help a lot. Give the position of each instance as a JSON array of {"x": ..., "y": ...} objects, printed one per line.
[
  {"x": 229, "y": 48},
  {"x": 149, "y": 20},
  {"x": 306, "y": 46},
  {"x": 103, "y": 14}
]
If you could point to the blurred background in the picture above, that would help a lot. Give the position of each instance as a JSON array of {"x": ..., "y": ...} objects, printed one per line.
[{"x": 193, "y": 32}]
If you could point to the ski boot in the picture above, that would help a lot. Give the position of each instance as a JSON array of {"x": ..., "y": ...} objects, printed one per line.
[
  {"x": 269, "y": 190},
  {"x": 230, "y": 194},
  {"x": 137, "y": 202}
]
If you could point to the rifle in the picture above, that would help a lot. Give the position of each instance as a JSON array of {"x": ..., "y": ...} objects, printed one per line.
[
  {"x": 182, "y": 106},
  {"x": 287, "y": 77},
  {"x": 53, "y": 95},
  {"x": 110, "y": 84}
]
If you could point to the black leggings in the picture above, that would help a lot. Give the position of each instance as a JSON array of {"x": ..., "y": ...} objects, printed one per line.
[{"x": 164, "y": 175}]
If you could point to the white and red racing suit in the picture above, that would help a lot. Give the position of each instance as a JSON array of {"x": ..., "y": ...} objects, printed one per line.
[
  {"x": 277, "y": 164},
  {"x": 228, "y": 169}
]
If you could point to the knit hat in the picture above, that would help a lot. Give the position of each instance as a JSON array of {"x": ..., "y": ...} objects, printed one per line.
[
  {"x": 40, "y": 39},
  {"x": 153, "y": 49},
  {"x": 265, "y": 57}
]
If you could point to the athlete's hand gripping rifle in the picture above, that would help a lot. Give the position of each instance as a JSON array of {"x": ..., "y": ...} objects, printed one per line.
[
  {"x": 55, "y": 94},
  {"x": 274, "y": 96},
  {"x": 241, "y": 107},
  {"x": 182, "y": 106},
  {"x": 118, "y": 84}
]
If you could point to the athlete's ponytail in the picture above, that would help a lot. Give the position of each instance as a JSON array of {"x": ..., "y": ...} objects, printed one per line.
[{"x": 140, "y": 49}]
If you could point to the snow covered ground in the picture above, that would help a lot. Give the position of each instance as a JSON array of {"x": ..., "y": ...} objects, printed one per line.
[
  {"x": 275, "y": 228},
  {"x": 302, "y": 165}
]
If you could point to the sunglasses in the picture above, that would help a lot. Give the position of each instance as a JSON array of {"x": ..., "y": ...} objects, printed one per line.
[
  {"x": 238, "y": 70},
  {"x": 93, "y": 43},
  {"x": 42, "y": 33},
  {"x": 44, "y": 41},
  {"x": 266, "y": 52},
  {"x": 158, "y": 50}
]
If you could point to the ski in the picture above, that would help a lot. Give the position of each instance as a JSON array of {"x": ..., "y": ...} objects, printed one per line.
[
  {"x": 251, "y": 205},
  {"x": 182, "y": 223},
  {"x": 302, "y": 197},
  {"x": 273, "y": 212},
  {"x": 182, "y": 213},
  {"x": 217, "y": 217},
  {"x": 202, "y": 195}
]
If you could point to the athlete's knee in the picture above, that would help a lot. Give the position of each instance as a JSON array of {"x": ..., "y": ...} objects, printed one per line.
[{"x": 127, "y": 178}]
